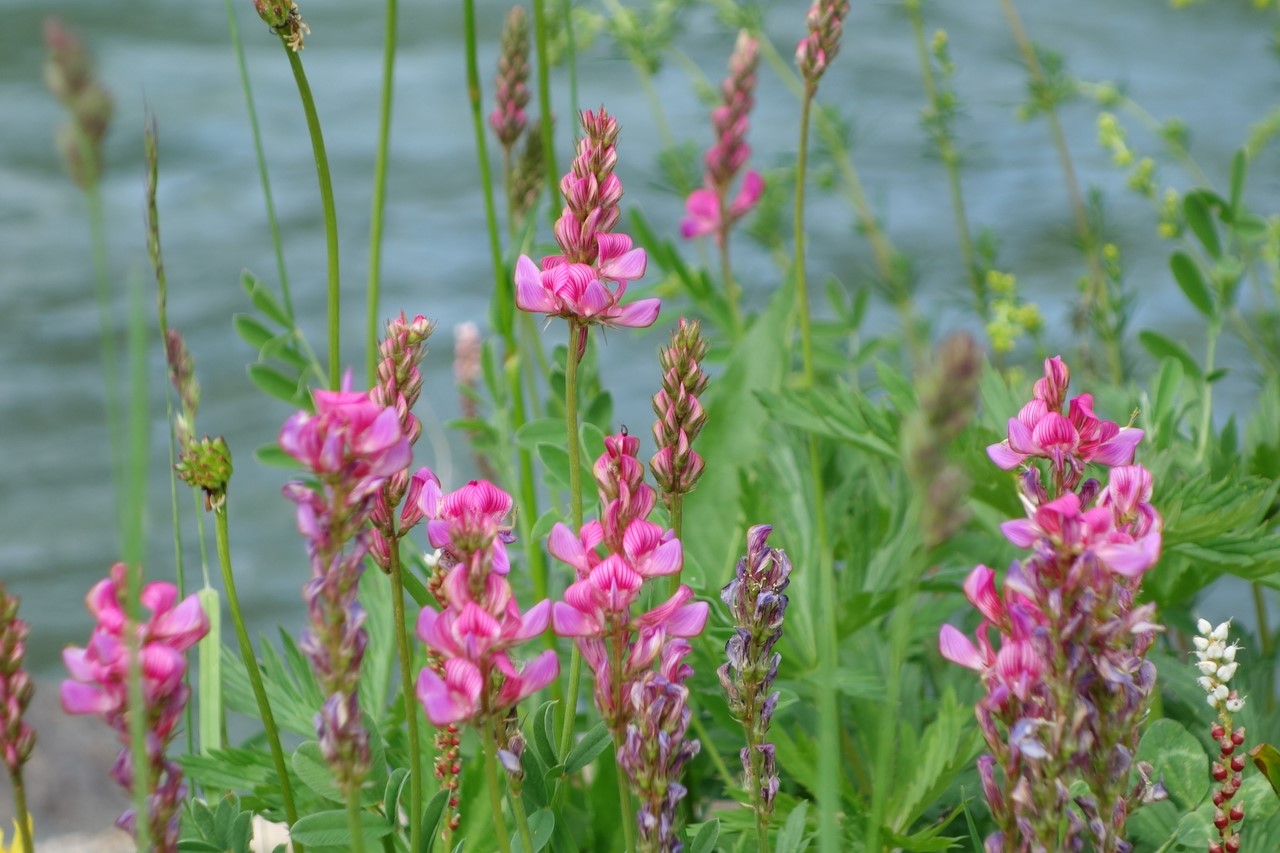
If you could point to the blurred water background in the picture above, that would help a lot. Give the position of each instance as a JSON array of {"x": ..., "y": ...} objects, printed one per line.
[{"x": 1210, "y": 65}]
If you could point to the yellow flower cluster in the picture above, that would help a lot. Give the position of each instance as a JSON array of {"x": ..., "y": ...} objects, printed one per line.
[{"x": 1010, "y": 317}]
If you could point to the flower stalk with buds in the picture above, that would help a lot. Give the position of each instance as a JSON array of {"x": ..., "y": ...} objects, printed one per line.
[
  {"x": 1217, "y": 664},
  {"x": 17, "y": 737},
  {"x": 757, "y": 603}
]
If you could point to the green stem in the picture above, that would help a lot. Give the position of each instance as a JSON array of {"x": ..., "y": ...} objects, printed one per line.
[
  {"x": 732, "y": 293},
  {"x": 406, "y": 687},
  {"x": 495, "y": 793},
  {"x": 1206, "y": 415},
  {"x": 251, "y": 665},
  {"x": 575, "y": 501},
  {"x": 21, "y": 816},
  {"x": 947, "y": 152},
  {"x": 617, "y": 649},
  {"x": 102, "y": 292},
  {"x": 330, "y": 213},
  {"x": 380, "y": 189},
  {"x": 516, "y": 798},
  {"x": 626, "y": 809},
  {"x": 353, "y": 820},
  {"x": 828, "y": 717},
  {"x": 544, "y": 105},
  {"x": 1099, "y": 295}
]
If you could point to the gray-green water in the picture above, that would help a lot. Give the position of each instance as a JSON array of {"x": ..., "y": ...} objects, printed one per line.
[{"x": 1210, "y": 65}]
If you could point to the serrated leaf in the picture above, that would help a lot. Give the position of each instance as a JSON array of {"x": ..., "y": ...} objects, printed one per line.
[
  {"x": 1178, "y": 759},
  {"x": 585, "y": 751},
  {"x": 1187, "y": 273},
  {"x": 273, "y": 382},
  {"x": 705, "y": 840},
  {"x": 329, "y": 829},
  {"x": 262, "y": 299}
]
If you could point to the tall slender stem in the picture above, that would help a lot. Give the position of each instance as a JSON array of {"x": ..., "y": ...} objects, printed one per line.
[
  {"x": 732, "y": 293},
  {"x": 516, "y": 798},
  {"x": 1206, "y": 413},
  {"x": 330, "y": 213},
  {"x": 251, "y": 665},
  {"x": 272, "y": 222},
  {"x": 617, "y": 649},
  {"x": 828, "y": 718},
  {"x": 544, "y": 105},
  {"x": 353, "y": 820},
  {"x": 1099, "y": 294},
  {"x": 495, "y": 792},
  {"x": 380, "y": 189},
  {"x": 406, "y": 687},
  {"x": 566, "y": 9},
  {"x": 21, "y": 816},
  {"x": 575, "y": 503},
  {"x": 110, "y": 363}
]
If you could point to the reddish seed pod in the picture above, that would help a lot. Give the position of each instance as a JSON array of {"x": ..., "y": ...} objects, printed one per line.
[
  {"x": 1219, "y": 772},
  {"x": 1237, "y": 763},
  {"x": 1217, "y": 731},
  {"x": 1236, "y": 781},
  {"x": 1238, "y": 736},
  {"x": 1218, "y": 799},
  {"x": 1215, "y": 847},
  {"x": 1236, "y": 814},
  {"x": 1226, "y": 746},
  {"x": 1233, "y": 844},
  {"x": 1220, "y": 819}
]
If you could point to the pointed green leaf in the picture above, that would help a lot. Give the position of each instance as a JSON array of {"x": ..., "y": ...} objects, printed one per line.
[
  {"x": 1196, "y": 210},
  {"x": 1239, "y": 168},
  {"x": 1178, "y": 759},
  {"x": 253, "y": 332},
  {"x": 1267, "y": 759},
  {"x": 1164, "y": 347},
  {"x": 431, "y": 818},
  {"x": 329, "y": 829},
  {"x": 705, "y": 840},
  {"x": 262, "y": 299},
  {"x": 585, "y": 751},
  {"x": 793, "y": 830},
  {"x": 275, "y": 383},
  {"x": 1187, "y": 273}
]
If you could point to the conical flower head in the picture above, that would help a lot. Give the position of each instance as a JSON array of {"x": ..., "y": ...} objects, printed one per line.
[{"x": 508, "y": 117}]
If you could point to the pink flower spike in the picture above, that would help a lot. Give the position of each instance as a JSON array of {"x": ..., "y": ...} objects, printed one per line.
[{"x": 958, "y": 648}]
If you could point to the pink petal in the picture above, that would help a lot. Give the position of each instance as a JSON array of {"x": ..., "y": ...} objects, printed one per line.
[
  {"x": 640, "y": 314},
  {"x": 184, "y": 625},
  {"x": 595, "y": 299},
  {"x": 628, "y": 267},
  {"x": 158, "y": 597},
  {"x": 980, "y": 589},
  {"x": 535, "y": 620},
  {"x": 688, "y": 621},
  {"x": 568, "y": 621},
  {"x": 531, "y": 295},
  {"x": 752, "y": 189},
  {"x": 540, "y": 672},
  {"x": 958, "y": 648},
  {"x": 1120, "y": 449},
  {"x": 567, "y": 548},
  {"x": 441, "y": 706},
  {"x": 79, "y": 698},
  {"x": 427, "y": 626},
  {"x": 1003, "y": 456},
  {"x": 1021, "y": 532}
]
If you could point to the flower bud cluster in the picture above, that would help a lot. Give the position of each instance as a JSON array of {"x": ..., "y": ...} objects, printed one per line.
[
  {"x": 816, "y": 50},
  {"x": 508, "y": 118},
  {"x": 477, "y": 681},
  {"x": 527, "y": 173},
  {"x": 1217, "y": 664},
  {"x": 705, "y": 208},
  {"x": 757, "y": 604},
  {"x": 99, "y": 685},
  {"x": 575, "y": 284},
  {"x": 68, "y": 72},
  {"x": 398, "y": 386},
  {"x": 285, "y": 21},
  {"x": 351, "y": 445},
  {"x": 677, "y": 466},
  {"x": 17, "y": 737},
  {"x": 1069, "y": 682},
  {"x": 656, "y": 749}
]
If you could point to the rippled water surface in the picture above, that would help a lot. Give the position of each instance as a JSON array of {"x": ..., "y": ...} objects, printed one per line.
[{"x": 1208, "y": 65}]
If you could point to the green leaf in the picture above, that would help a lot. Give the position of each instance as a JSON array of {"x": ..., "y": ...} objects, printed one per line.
[
  {"x": 253, "y": 332},
  {"x": 200, "y": 846},
  {"x": 1178, "y": 759},
  {"x": 542, "y": 824},
  {"x": 945, "y": 750},
  {"x": 262, "y": 299},
  {"x": 273, "y": 456},
  {"x": 539, "y": 738},
  {"x": 1267, "y": 759},
  {"x": 431, "y": 818},
  {"x": 391, "y": 794},
  {"x": 705, "y": 840},
  {"x": 329, "y": 829},
  {"x": 1239, "y": 168},
  {"x": 1187, "y": 273},
  {"x": 309, "y": 764},
  {"x": 1164, "y": 347},
  {"x": 793, "y": 830},
  {"x": 556, "y": 461},
  {"x": 541, "y": 431},
  {"x": 275, "y": 383},
  {"x": 1196, "y": 209},
  {"x": 209, "y": 687},
  {"x": 585, "y": 751}
]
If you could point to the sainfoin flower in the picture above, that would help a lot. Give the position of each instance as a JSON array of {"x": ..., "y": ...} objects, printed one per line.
[
  {"x": 17, "y": 737},
  {"x": 1067, "y": 682},
  {"x": 708, "y": 210},
  {"x": 1217, "y": 665},
  {"x": 352, "y": 444},
  {"x": 586, "y": 282},
  {"x": 677, "y": 466},
  {"x": 474, "y": 679},
  {"x": 99, "y": 685}
]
